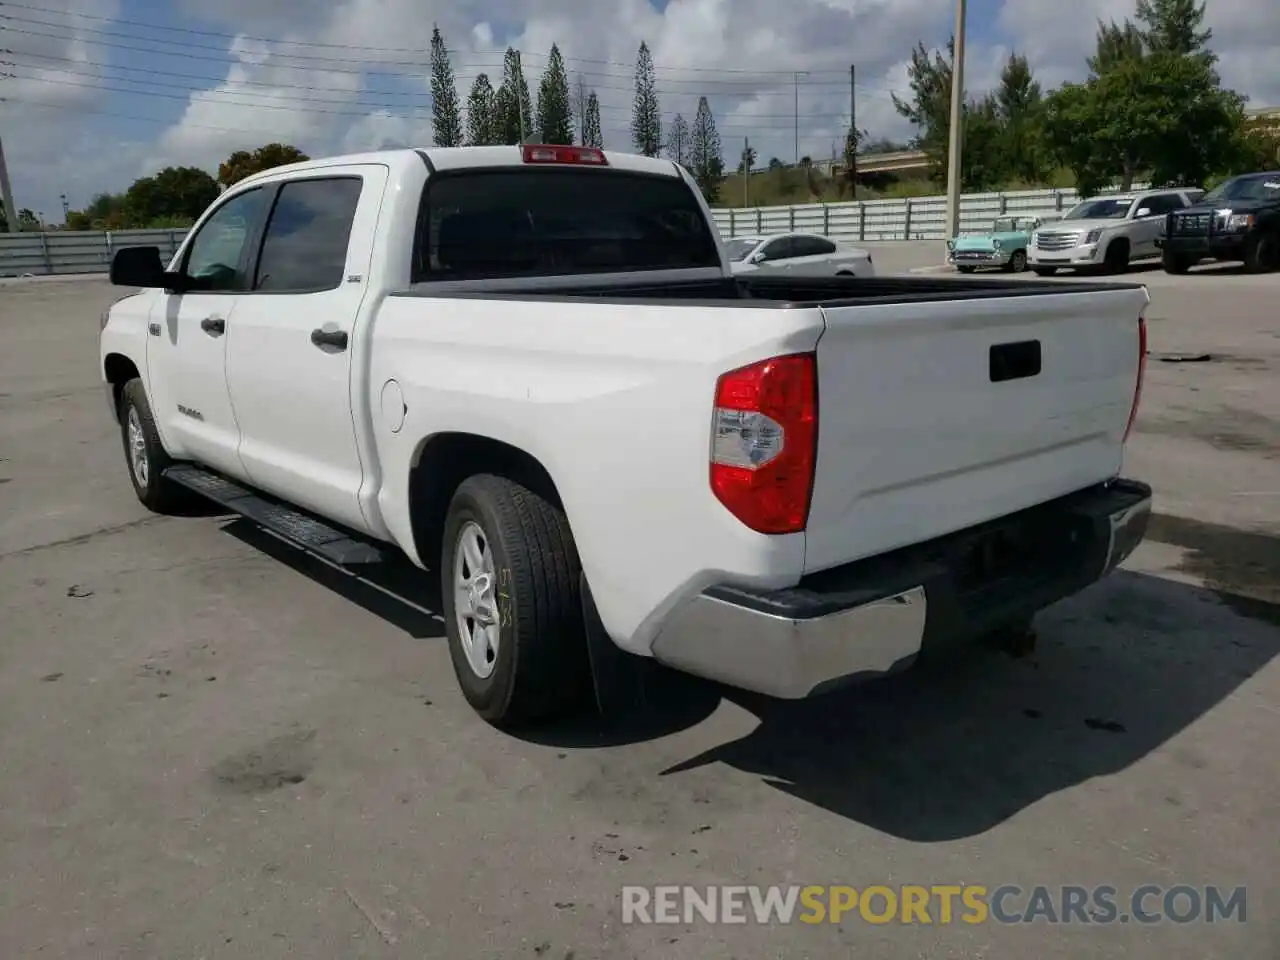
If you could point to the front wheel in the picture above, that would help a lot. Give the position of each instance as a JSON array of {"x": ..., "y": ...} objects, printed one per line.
[
  {"x": 1262, "y": 255},
  {"x": 145, "y": 455},
  {"x": 1018, "y": 262},
  {"x": 1175, "y": 263},
  {"x": 510, "y": 581}
]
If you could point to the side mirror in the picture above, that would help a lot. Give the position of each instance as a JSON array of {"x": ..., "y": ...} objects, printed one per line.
[
  {"x": 757, "y": 257},
  {"x": 1143, "y": 212},
  {"x": 138, "y": 267}
]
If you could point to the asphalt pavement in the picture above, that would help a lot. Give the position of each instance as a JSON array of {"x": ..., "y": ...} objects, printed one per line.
[{"x": 215, "y": 747}]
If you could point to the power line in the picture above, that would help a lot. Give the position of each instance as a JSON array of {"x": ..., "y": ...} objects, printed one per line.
[
  {"x": 325, "y": 62},
  {"x": 422, "y": 96},
  {"x": 188, "y": 31},
  {"x": 218, "y": 98}
]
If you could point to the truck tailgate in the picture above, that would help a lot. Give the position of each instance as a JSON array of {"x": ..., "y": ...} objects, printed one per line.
[{"x": 933, "y": 417}]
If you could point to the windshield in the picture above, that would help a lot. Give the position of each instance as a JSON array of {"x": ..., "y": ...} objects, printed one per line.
[
  {"x": 1010, "y": 224},
  {"x": 1112, "y": 208},
  {"x": 1258, "y": 186},
  {"x": 489, "y": 224},
  {"x": 740, "y": 247}
]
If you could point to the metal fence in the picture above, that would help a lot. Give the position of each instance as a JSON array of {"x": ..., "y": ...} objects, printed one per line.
[
  {"x": 76, "y": 251},
  {"x": 919, "y": 218}
]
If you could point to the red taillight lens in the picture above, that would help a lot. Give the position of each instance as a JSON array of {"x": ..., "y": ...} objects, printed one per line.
[
  {"x": 1142, "y": 373},
  {"x": 764, "y": 442},
  {"x": 584, "y": 156}
]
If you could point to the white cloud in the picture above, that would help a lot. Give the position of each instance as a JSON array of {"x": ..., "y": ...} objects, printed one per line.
[{"x": 738, "y": 52}]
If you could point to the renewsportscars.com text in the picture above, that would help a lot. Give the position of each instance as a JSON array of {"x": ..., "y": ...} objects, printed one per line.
[{"x": 937, "y": 904}]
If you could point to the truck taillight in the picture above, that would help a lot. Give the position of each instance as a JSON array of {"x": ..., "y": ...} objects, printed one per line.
[
  {"x": 1142, "y": 373},
  {"x": 764, "y": 442},
  {"x": 583, "y": 156}
]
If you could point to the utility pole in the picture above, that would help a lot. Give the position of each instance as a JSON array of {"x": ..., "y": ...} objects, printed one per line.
[
  {"x": 746, "y": 172},
  {"x": 795, "y": 80},
  {"x": 956, "y": 132},
  {"x": 852, "y": 159},
  {"x": 66, "y": 208},
  {"x": 6, "y": 194}
]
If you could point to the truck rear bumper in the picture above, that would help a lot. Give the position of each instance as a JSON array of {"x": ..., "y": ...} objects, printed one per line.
[{"x": 875, "y": 616}]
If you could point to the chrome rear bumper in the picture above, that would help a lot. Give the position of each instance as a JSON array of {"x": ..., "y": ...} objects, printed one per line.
[{"x": 875, "y": 616}]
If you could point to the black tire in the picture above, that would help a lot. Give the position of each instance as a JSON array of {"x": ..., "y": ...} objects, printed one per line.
[
  {"x": 1262, "y": 254},
  {"x": 153, "y": 490},
  {"x": 540, "y": 668},
  {"x": 1175, "y": 263},
  {"x": 966, "y": 269},
  {"x": 1017, "y": 262},
  {"x": 1044, "y": 271},
  {"x": 1116, "y": 259}
]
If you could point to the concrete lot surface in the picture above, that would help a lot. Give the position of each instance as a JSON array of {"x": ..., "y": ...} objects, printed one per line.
[{"x": 214, "y": 747}]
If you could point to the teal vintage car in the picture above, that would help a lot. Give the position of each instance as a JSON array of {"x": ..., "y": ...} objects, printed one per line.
[{"x": 1004, "y": 245}]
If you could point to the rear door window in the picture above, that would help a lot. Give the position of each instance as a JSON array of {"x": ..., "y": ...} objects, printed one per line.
[
  {"x": 490, "y": 224},
  {"x": 305, "y": 247}
]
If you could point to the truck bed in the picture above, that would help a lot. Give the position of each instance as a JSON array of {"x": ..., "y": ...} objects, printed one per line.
[{"x": 772, "y": 292}]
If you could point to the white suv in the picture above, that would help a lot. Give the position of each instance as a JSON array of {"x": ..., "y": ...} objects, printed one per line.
[{"x": 1106, "y": 232}]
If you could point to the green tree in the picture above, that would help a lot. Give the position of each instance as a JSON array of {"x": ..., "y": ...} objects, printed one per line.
[
  {"x": 1116, "y": 43},
  {"x": 27, "y": 219},
  {"x": 482, "y": 113},
  {"x": 678, "y": 143},
  {"x": 929, "y": 105},
  {"x": 1174, "y": 26},
  {"x": 646, "y": 116},
  {"x": 1164, "y": 114},
  {"x": 592, "y": 134},
  {"x": 244, "y": 163},
  {"x": 706, "y": 156},
  {"x": 446, "y": 119},
  {"x": 172, "y": 195},
  {"x": 1018, "y": 104},
  {"x": 848, "y": 183},
  {"x": 514, "y": 112},
  {"x": 555, "y": 119}
]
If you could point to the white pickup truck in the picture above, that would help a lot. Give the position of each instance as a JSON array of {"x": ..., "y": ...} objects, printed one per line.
[{"x": 530, "y": 370}]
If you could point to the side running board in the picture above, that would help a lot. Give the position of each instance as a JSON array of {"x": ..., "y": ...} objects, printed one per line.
[{"x": 286, "y": 522}]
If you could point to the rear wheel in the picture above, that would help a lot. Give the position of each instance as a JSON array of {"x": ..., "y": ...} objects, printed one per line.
[
  {"x": 1175, "y": 263},
  {"x": 144, "y": 453},
  {"x": 1262, "y": 255},
  {"x": 510, "y": 580}
]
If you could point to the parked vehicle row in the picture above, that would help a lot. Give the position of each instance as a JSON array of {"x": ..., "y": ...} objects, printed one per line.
[{"x": 533, "y": 371}]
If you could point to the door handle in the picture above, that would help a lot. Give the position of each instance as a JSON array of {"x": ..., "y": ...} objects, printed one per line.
[
  {"x": 329, "y": 338},
  {"x": 213, "y": 325}
]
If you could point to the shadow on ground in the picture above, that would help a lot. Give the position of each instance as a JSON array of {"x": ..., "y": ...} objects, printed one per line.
[{"x": 953, "y": 749}]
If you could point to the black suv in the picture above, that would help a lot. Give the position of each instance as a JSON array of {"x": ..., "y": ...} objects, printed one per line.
[{"x": 1237, "y": 220}]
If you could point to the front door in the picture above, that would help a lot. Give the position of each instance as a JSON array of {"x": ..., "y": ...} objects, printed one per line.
[
  {"x": 290, "y": 353},
  {"x": 189, "y": 331}
]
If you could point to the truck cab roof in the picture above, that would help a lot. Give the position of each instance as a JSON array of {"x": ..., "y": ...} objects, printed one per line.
[{"x": 440, "y": 159}]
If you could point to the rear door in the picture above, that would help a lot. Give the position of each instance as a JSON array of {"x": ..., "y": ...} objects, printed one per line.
[
  {"x": 937, "y": 416},
  {"x": 290, "y": 346},
  {"x": 812, "y": 256}
]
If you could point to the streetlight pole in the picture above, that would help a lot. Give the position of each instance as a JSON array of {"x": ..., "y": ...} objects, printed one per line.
[{"x": 955, "y": 147}]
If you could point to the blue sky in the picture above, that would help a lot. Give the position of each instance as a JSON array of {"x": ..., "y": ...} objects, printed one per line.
[{"x": 107, "y": 60}]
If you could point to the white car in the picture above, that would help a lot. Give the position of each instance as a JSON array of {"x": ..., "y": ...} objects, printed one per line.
[
  {"x": 530, "y": 370},
  {"x": 1106, "y": 233},
  {"x": 797, "y": 254}
]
